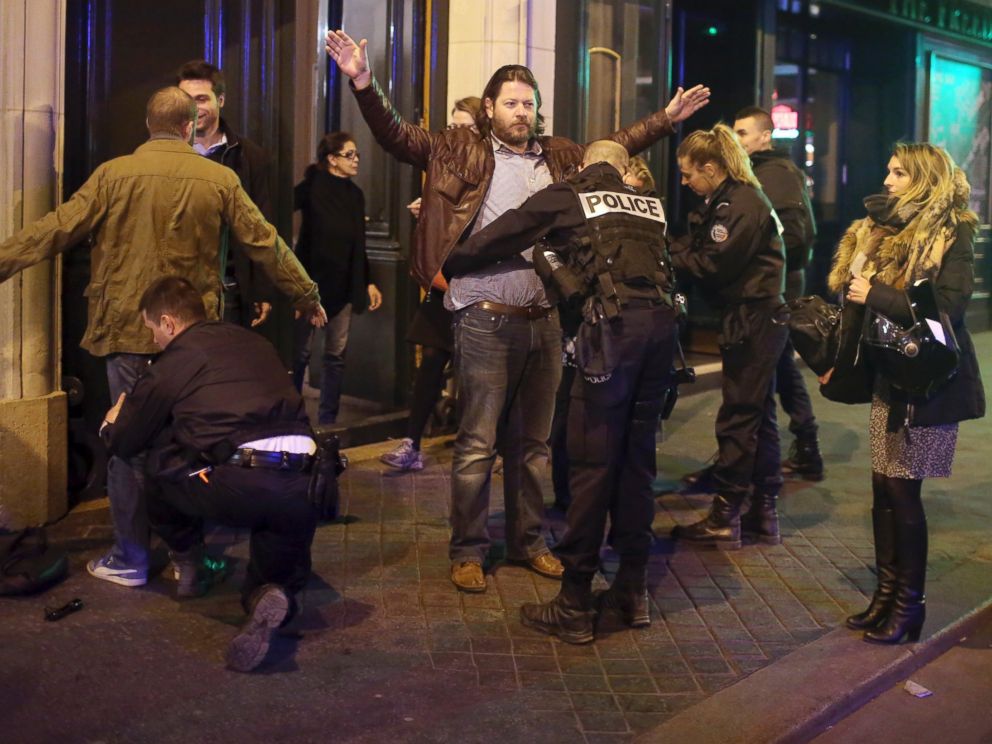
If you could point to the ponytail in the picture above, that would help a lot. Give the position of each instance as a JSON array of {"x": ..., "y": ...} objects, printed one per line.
[{"x": 719, "y": 145}]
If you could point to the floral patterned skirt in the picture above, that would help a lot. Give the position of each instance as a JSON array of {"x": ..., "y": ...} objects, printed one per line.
[{"x": 915, "y": 452}]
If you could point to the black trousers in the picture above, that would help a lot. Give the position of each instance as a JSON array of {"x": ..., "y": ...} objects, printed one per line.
[
  {"x": 271, "y": 503},
  {"x": 611, "y": 443},
  {"x": 789, "y": 381},
  {"x": 559, "y": 437},
  {"x": 746, "y": 425}
]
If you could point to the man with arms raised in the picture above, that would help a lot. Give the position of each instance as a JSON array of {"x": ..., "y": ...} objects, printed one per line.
[{"x": 507, "y": 333}]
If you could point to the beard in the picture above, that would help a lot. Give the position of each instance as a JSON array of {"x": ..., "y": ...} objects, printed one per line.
[{"x": 512, "y": 133}]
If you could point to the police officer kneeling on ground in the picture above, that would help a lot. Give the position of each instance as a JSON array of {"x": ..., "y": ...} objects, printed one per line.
[
  {"x": 228, "y": 440},
  {"x": 604, "y": 249}
]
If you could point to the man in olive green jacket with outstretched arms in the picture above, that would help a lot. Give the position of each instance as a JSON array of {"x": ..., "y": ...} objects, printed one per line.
[{"x": 157, "y": 212}]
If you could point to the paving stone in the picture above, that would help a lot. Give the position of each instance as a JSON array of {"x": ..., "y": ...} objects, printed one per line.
[
  {"x": 667, "y": 666},
  {"x": 594, "y": 701},
  {"x": 585, "y": 683},
  {"x": 494, "y": 662},
  {"x": 602, "y": 722},
  {"x": 497, "y": 679},
  {"x": 624, "y": 666},
  {"x": 642, "y": 684},
  {"x": 545, "y": 700},
  {"x": 540, "y": 681},
  {"x": 669, "y": 683},
  {"x": 644, "y": 703},
  {"x": 526, "y": 663}
]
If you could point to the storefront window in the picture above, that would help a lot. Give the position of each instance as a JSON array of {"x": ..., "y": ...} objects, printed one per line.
[{"x": 960, "y": 118}]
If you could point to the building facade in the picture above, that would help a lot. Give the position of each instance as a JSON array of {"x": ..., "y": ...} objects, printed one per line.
[{"x": 844, "y": 80}]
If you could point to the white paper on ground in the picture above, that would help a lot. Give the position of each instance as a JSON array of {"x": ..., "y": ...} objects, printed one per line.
[
  {"x": 916, "y": 690},
  {"x": 937, "y": 330}
]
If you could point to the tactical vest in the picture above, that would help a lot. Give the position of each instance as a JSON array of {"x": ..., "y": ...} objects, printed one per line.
[{"x": 622, "y": 253}]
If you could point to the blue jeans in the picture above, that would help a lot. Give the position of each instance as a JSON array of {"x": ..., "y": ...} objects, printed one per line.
[
  {"x": 125, "y": 478},
  {"x": 332, "y": 371},
  {"x": 507, "y": 370}
]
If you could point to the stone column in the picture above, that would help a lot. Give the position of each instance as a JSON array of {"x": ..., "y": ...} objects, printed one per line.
[
  {"x": 32, "y": 406},
  {"x": 484, "y": 35}
]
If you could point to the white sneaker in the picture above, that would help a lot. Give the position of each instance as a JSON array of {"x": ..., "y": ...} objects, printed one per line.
[{"x": 404, "y": 457}]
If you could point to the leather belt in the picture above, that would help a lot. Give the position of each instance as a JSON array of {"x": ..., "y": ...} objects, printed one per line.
[
  {"x": 530, "y": 312},
  {"x": 252, "y": 458}
]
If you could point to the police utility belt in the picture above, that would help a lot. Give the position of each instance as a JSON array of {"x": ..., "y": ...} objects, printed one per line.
[{"x": 246, "y": 457}]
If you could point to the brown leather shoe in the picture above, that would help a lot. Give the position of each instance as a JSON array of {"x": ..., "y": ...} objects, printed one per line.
[
  {"x": 468, "y": 577},
  {"x": 546, "y": 565}
]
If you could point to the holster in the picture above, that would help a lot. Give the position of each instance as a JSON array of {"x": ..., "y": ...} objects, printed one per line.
[{"x": 323, "y": 490}]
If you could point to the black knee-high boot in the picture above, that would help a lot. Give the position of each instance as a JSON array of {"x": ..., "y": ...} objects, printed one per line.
[
  {"x": 905, "y": 619},
  {"x": 883, "y": 527}
]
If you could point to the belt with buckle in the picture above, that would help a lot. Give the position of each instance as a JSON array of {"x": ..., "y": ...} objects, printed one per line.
[
  {"x": 253, "y": 458},
  {"x": 530, "y": 312}
]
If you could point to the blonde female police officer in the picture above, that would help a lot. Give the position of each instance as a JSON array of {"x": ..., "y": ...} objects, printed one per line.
[{"x": 734, "y": 253}]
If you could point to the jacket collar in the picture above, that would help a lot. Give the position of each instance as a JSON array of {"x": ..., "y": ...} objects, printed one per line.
[{"x": 166, "y": 144}]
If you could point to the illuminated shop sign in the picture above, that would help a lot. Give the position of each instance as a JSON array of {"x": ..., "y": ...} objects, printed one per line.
[
  {"x": 786, "y": 121},
  {"x": 956, "y": 17}
]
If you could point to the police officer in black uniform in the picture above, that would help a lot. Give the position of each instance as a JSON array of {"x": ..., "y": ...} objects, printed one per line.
[
  {"x": 604, "y": 250},
  {"x": 227, "y": 439},
  {"x": 734, "y": 253}
]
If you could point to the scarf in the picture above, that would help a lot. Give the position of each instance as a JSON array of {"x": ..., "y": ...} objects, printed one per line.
[{"x": 902, "y": 246}]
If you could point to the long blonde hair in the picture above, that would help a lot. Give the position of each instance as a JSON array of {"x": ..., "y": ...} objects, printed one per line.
[
  {"x": 719, "y": 145},
  {"x": 932, "y": 175}
]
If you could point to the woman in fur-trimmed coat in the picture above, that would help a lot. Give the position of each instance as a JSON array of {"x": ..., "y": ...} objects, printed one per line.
[{"x": 921, "y": 227}]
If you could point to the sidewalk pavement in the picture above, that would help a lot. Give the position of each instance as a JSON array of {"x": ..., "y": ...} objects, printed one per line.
[{"x": 746, "y": 646}]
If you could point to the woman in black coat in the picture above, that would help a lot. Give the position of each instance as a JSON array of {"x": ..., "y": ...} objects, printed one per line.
[
  {"x": 920, "y": 228},
  {"x": 331, "y": 247}
]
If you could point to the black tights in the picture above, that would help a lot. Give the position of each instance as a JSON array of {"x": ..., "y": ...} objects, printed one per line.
[
  {"x": 426, "y": 388},
  {"x": 901, "y": 495}
]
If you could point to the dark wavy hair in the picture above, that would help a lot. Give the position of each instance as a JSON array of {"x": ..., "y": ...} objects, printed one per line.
[{"x": 508, "y": 74}]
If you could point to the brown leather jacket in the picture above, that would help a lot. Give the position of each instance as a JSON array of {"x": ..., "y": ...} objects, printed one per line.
[{"x": 460, "y": 165}]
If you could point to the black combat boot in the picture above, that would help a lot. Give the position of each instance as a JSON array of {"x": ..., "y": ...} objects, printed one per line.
[
  {"x": 628, "y": 595},
  {"x": 804, "y": 460},
  {"x": 760, "y": 521},
  {"x": 883, "y": 525},
  {"x": 570, "y": 615},
  {"x": 905, "y": 619},
  {"x": 720, "y": 529}
]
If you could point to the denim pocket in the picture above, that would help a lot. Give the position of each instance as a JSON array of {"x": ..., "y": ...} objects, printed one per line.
[{"x": 480, "y": 321}]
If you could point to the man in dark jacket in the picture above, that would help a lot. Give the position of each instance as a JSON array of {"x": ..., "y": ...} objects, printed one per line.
[
  {"x": 785, "y": 186},
  {"x": 507, "y": 333},
  {"x": 227, "y": 439},
  {"x": 608, "y": 242},
  {"x": 247, "y": 292}
]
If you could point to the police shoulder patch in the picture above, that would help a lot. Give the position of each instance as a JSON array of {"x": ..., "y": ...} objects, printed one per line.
[{"x": 719, "y": 233}]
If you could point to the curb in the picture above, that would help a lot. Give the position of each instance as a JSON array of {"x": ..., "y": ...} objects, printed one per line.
[{"x": 799, "y": 696}]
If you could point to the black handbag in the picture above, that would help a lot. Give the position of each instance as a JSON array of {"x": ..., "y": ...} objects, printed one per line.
[
  {"x": 814, "y": 326},
  {"x": 852, "y": 379},
  {"x": 919, "y": 359}
]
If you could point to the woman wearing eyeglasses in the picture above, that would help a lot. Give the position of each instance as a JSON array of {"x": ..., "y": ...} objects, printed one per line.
[
  {"x": 331, "y": 247},
  {"x": 431, "y": 330},
  {"x": 921, "y": 227}
]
